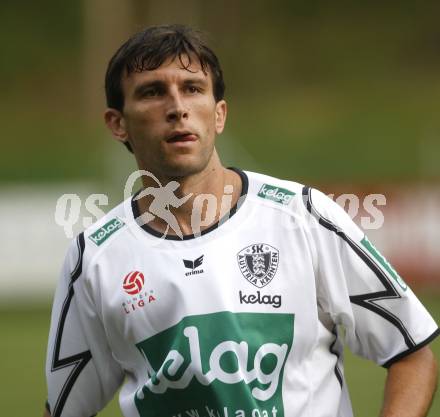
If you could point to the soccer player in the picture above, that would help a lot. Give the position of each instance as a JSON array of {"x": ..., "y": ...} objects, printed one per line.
[{"x": 241, "y": 308}]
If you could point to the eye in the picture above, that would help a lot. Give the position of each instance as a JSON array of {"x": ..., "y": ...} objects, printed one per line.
[
  {"x": 192, "y": 89},
  {"x": 151, "y": 92}
]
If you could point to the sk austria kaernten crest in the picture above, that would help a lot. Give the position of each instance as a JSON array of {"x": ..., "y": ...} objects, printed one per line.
[{"x": 258, "y": 263}]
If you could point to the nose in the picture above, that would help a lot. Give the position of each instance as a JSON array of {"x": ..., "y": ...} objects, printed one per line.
[{"x": 177, "y": 109}]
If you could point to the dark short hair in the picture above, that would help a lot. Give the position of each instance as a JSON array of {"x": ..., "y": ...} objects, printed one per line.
[{"x": 150, "y": 48}]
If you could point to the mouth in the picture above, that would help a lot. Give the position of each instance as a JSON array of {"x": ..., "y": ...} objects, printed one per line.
[{"x": 181, "y": 137}]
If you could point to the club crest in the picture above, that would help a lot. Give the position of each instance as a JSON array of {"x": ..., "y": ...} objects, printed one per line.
[{"x": 258, "y": 263}]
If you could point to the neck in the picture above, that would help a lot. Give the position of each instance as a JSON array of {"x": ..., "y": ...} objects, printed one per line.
[{"x": 192, "y": 203}]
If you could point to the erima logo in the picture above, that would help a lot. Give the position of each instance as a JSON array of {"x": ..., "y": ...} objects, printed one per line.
[
  {"x": 277, "y": 194},
  {"x": 102, "y": 234},
  {"x": 274, "y": 301},
  {"x": 193, "y": 265}
]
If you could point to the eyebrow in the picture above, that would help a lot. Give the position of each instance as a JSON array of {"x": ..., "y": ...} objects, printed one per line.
[
  {"x": 146, "y": 85},
  {"x": 202, "y": 81},
  {"x": 161, "y": 84}
]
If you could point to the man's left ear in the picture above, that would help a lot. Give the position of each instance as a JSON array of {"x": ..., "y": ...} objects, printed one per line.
[{"x": 220, "y": 116}]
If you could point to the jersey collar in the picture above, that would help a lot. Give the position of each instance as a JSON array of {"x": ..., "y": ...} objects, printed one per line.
[{"x": 151, "y": 231}]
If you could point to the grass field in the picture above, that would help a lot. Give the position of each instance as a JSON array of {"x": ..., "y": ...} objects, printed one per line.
[{"x": 22, "y": 352}]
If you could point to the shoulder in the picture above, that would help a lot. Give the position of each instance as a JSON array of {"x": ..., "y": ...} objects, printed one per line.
[
  {"x": 274, "y": 191},
  {"x": 106, "y": 227},
  {"x": 290, "y": 196},
  {"x": 328, "y": 214},
  {"x": 312, "y": 205},
  {"x": 101, "y": 234}
]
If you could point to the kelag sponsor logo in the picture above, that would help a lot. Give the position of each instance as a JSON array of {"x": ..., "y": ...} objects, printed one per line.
[
  {"x": 273, "y": 300},
  {"x": 102, "y": 234},
  {"x": 207, "y": 411},
  {"x": 277, "y": 194},
  {"x": 221, "y": 364}
]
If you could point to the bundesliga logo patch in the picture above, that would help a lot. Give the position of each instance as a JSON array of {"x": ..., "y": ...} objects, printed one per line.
[
  {"x": 133, "y": 285},
  {"x": 133, "y": 282},
  {"x": 258, "y": 263}
]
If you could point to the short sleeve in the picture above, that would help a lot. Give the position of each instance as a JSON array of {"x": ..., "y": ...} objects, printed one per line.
[
  {"x": 360, "y": 290},
  {"x": 81, "y": 374}
]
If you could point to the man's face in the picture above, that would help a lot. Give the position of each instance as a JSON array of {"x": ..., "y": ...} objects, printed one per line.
[{"x": 170, "y": 118}]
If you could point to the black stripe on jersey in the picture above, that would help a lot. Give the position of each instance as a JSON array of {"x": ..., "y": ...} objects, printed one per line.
[
  {"x": 338, "y": 372},
  {"x": 80, "y": 360},
  {"x": 368, "y": 300},
  {"x": 401, "y": 355},
  {"x": 47, "y": 406},
  {"x": 154, "y": 232}
]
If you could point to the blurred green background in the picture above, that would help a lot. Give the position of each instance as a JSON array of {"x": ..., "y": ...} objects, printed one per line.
[
  {"x": 341, "y": 91},
  {"x": 319, "y": 92}
]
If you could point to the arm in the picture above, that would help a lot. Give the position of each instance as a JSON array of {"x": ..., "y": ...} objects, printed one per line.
[
  {"x": 46, "y": 414},
  {"x": 410, "y": 385},
  {"x": 382, "y": 317},
  {"x": 82, "y": 375}
]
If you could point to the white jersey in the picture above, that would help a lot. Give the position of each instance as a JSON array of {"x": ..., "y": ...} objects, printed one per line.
[{"x": 243, "y": 320}]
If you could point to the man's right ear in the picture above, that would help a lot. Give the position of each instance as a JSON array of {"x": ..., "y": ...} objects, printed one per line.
[{"x": 116, "y": 123}]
